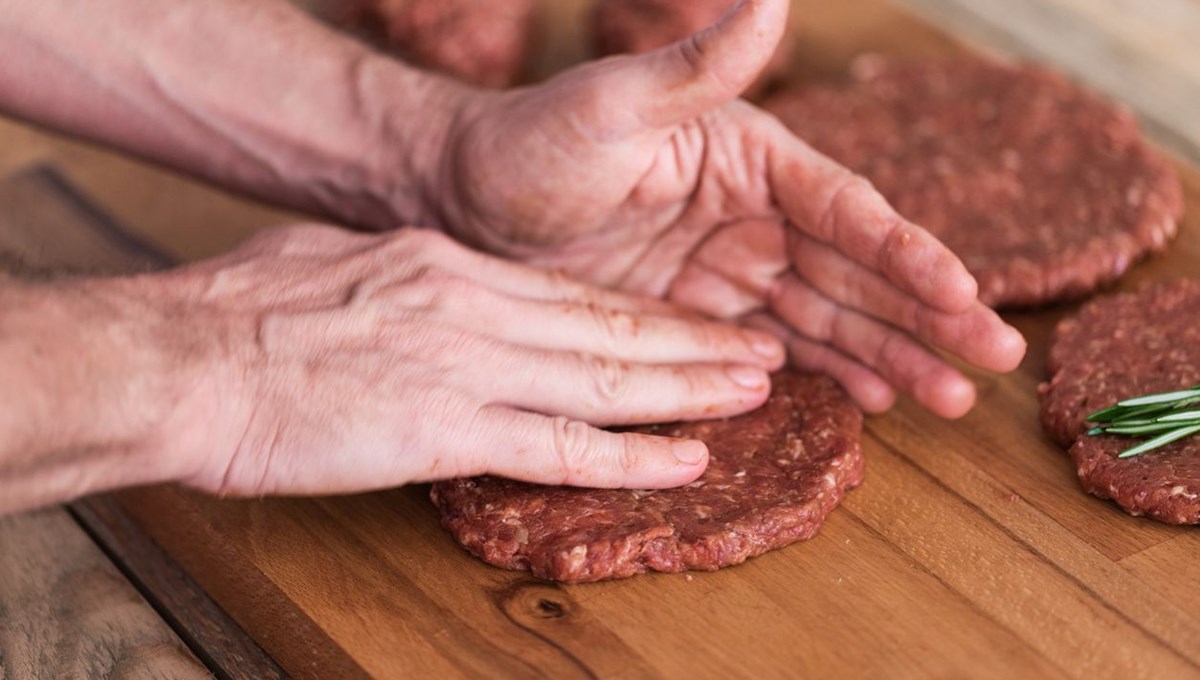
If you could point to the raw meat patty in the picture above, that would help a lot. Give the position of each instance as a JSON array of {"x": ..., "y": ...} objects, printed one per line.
[
  {"x": 637, "y": 26},
  {"x": 486, "y": 42},
  {"x": 773, "y": 476},
  {"x": 1046, "y": 191},
  {"x": 1115, "y": 348}
]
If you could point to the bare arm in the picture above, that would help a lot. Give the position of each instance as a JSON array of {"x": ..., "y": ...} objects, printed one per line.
[
  {"x": 256, "y": 96},
  {"x": 314, "y": 360},
  {"x": 86, "y": 375},
  {"x": 633, "y": 172}
]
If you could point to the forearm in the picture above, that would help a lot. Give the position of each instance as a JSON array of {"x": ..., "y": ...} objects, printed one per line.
[
  {"x": 86, "y": 382},
  {"x": 255, "y": 96}
]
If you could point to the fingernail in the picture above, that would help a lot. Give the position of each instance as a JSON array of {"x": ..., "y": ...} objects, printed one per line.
[
  {"x": 766, "y": 347},
  {"x": 747, "y": 376},
  {"x": 688, "y": 452}
]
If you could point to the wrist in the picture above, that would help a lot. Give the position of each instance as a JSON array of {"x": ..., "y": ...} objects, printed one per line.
[
  {"x": 374, "y": 161},
  {"x": 318, "y": 122},
  {"x": 97, "y": 380},
  {"x": 414, "y": 138}
]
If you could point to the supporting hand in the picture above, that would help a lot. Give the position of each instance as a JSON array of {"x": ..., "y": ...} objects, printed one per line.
[
  {"x": 365, "y": 361},
  {"x": 642, "y": 173}
]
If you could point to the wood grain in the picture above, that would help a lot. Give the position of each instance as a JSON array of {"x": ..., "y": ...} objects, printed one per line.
[
  {"x": 204, "y": 627},
  {"x": 969, "y": 552},
  {"x": 47, "y": 228},
  {"x": 66, "y": 612}
]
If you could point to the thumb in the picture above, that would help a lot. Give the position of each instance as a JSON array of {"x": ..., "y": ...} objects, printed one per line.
[
  {"x": 683, "y": 80},
  {"x": 556, "y": 450}
]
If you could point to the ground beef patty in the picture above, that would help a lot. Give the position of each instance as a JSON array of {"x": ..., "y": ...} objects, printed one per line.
[
  {"x": 773, "y": 476},
  {"x": 1045, "y": 190},
  {"x": 637, "y": 26},
  {"x": 486, "y": 42},
  {"x": 1115, "y": 348}
]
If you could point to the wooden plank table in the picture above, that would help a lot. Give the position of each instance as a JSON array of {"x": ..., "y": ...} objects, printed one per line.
[
  {"x": 66, "y": 612},
  {"x": 969, "y": 551},
  {"x": 83, "y": 593}
]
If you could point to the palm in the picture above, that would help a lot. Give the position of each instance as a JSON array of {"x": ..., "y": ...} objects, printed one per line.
[
  {"x": 639, "y": 173},
  {"x": 629, "y": 212}
]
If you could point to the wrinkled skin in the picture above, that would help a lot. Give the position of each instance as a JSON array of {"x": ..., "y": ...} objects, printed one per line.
[
  {"x": 364, "y": 361},
  {"x": 320, "y": 361},
  {"x": 642, "y": 173}
]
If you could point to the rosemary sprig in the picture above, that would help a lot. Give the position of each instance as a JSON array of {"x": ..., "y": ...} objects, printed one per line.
[{"x": 1169, "y": 415}]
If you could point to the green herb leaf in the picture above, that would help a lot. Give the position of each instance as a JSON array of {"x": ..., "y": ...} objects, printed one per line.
[
  {"x": 1159, "y": 441},
  {"x": 1191, "y": 393},
  {"x": 1183, "y": 415},
  {"x": 1170, "y": 415}
]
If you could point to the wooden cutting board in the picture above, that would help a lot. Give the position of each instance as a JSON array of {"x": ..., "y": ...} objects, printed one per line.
[{"x": 969, "y": 551}]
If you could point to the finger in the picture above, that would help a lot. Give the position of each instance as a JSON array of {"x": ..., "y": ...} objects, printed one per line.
[
  {"x": 750, "y": 253},
  {"x": 557, "y": 450},
  {"x": 731, "y": 272},
  {"x": 707, "y": 291},
  {"x": 977, "y": 335},
  {"x": 636, "y": 337},
  {"x": 681, "y": 81},
  {"x": 891, "y": 353},
  {"x": 605, "y": 391},
  {"x": 871, "y": 392},
  {"x": 833, "y": 205},
  {"x": 621, "y": 334},
  {"x": 575, "y": 321}
]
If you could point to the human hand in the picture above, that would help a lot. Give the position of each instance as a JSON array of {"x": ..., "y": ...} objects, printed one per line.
[
  {"x": 641, "y": 173},
  {"x": 350, "y": 362}
]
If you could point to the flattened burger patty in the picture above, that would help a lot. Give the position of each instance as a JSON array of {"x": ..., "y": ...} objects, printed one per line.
[
  {"x": 773, "y": 476},
  {"x": 637, "y": 26},
  {"x": 1046, "y": 191},
  {"x": 486, "y": 42},
  {"x": 1115, "y": 348}
]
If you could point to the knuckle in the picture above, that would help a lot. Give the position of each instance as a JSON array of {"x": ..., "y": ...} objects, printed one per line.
[
  {"x": 852, "y": 186},
  {"x": 854, "y": 202},
  {"x": 307, "y": 239},
  {"x": 628, "y": 455},
  {"x": 609, "y": 379},
  {"x": 702, "y": 64},
  {"x": 724, "y": 339},
  {"x": 572, "y": 448},
  {"x": 918, "y": 319},
  {"x": 423, "y": 246},
  {"x": 568, "y": 288},
  {"x": 890, "y": 352},
  {"x": 271, "y": 240},
  {"x": 840, "y": 331},
  {"x": 807, "y": 310},
  {"x": 693, "y": 53},
  {"x": 697, "y": 380},
  {"x": 431, "y": 287},
  {"x": 846, "y": 184}
]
